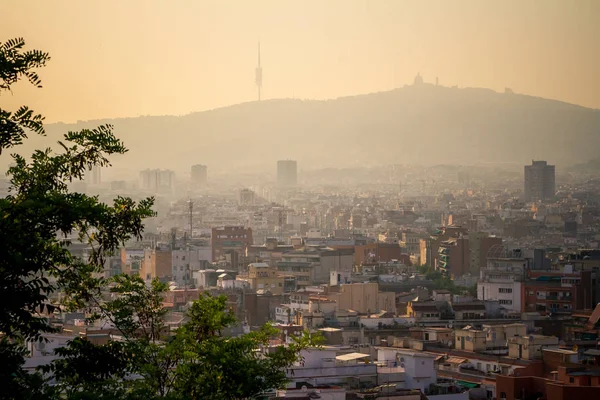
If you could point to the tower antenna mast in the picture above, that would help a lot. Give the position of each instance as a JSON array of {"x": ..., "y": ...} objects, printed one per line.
[{"x": 259, "y": 74}]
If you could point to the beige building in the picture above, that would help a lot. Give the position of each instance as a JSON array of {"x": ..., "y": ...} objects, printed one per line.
[
  {"x": 423, "y": 310},
  {"x": 498, "y": 335},
  {"x": 156, "y": 264},
  {"x": 263, "y": 277},
  {"x": 530, "y": 347},
  {"x": 470, "y": 339},
  {"x": 362, "y": 297}
]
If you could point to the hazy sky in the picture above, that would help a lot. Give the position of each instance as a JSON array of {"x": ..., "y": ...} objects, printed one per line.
[{"x": 120, "y": 58}]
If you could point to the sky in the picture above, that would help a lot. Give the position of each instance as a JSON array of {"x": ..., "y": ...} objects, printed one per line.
[{"x": 114, "y": 58}]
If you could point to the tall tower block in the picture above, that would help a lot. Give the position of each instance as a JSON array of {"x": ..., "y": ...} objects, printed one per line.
[{"x": 259, "y": 74}]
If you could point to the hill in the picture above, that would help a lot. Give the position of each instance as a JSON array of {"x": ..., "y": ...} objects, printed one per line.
[{"x": 423, "y": 124}]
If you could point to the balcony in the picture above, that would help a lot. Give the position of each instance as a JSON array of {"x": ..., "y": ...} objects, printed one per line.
[
  {"x": 390, "y": 370},
  {"x": 341, "y": 371},
  {"x": 559, "y": 298}
]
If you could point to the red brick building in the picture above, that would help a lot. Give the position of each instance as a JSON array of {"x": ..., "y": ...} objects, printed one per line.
[
  {"x": 570, "y": 383},
  {"x": 557, "y": 292},
  {"x": 560, "y": 378},
  {"x": 228, "y": 238}
]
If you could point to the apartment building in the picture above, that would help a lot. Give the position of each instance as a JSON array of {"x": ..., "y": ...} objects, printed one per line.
[
  {"x": 405, "y": 368},
  {"x": 502, "y": 279},
  {"x": 430, "y": 247},
  {"x": 333, "y": 365},
  {"x": 230, "y": 238},
  {"x": 480, "y": 244},
  {"x": 555, "y": 292},
  {"x": 362, "y": 297},
  {"x": 263, "y": 277},
  {"x": 454, "y": 256},
  {"x": 314, "y": 264},
  {"x": 157, "y": 263},
  {"x": 131, "y": 260}
]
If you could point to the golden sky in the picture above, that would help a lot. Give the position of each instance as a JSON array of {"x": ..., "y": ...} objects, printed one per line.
[{"x": 125, "y": 58}]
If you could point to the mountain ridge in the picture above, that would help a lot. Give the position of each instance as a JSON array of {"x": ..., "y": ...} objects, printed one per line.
[{"x": 422, "y": 123}]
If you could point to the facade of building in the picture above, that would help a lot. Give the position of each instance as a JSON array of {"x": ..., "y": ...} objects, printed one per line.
[
  {"x": 131, "y": 260},
  {"x": 93, "y": 176},
  {"x": 539, "y": 181},
  {"x": 226, "y": 238},
  {"x": 330, "y": 366},
  {"x": 185, "y": 262},
  {"x": 199, "y": 175},
  {"x": 454, "y": 256},
  {"x": 480, "y": 244},
  {"x": 416, "y": 368},
  {"x": 157, "y": 263},
  {"x": 246, "y": 197},
  {"x": 502, "y": 280},
  {"x": 362, "y": 297},
  {"x": 314, "y": 264},
  {"x": 554, "y": 292},
  {"x": 287, "y": 173},
  {"x": 157, "y": 181},
  {"x": 263, "y": 277},
  {"x": 423, "y": 310},
  {"x": 430, "y": 249},
  {"x": 410, "y": 242}
]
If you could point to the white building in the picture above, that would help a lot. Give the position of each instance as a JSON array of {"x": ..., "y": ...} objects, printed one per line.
[
  {"x": 409, "y": 369},
  {"x": 185, "y": 262},
  {"x": 332, "y": 365},
  {"x": 501, "y": 281},
  {"x": 317, "y": 392}
]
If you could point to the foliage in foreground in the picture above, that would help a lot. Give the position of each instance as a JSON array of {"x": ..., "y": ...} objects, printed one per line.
[{"x": 196, "y": 362}]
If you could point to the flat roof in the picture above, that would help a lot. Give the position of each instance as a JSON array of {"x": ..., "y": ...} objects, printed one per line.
[
  {"x": 330, "y": 329},
  {"x": 456, "y": 360},
  {"x": 351, "y": 356},
  {"x": 562, "y": 351}
]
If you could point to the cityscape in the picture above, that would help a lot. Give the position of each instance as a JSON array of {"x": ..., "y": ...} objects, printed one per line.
[{"x": 449, "y": 250}]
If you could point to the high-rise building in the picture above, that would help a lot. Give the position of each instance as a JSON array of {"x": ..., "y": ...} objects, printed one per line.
[
  {"x": 166, "y": 180},
  {"x": 246, "y": 197},
  {"x": 94, "y": 176},
  {"x": 287, "y": 173},
  {"x": 199, "y": 175},
  {"x": 539, "y": 181},
  {"x": 157, "y": 180}
]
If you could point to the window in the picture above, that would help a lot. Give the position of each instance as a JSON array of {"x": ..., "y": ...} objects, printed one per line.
[
  {"x": 505, "y": 290},
  {"x": 571, "y": 380},
  {"x": 502, "y": 395},
  {"x": 505, "y": 302}
]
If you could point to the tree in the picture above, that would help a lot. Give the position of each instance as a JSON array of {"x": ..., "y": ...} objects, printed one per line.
[
  {"x": 34, "y": 261},
  {"x": 36, "y": 219},
  {"x": 197, "y": 362}
]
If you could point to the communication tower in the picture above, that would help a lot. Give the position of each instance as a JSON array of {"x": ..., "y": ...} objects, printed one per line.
[{"x": 259, "y": 74}]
